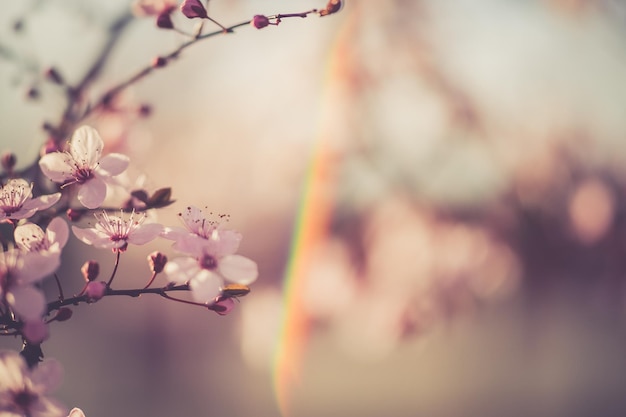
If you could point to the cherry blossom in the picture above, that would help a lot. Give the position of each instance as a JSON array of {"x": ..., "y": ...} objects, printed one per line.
[
  {"x": 212, "y": 261},
  {"x": 18, "y": 271},
  {"x": 84, "y": 165},
  {"x": 16, "y": 200},
  {"x": 113, "y": 232},
  {"x": 31, "y": 238},
  {"x": 23, "y": 392},
  {"x": 209, "y": 233}
]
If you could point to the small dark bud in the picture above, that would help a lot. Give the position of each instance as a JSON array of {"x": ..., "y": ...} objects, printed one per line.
[
  {"x": 53, "y": 75},
  {"x": 333, "y": 6},
  {"x": 74, "y": 215},
  {"x": 32, "y": 93},
  {"x": 8, "y": 161},
  {"x": 160, "y": 198},
  {"x": 164, "y": 21},
  {"x": 259, "y": 21},
  {"x": 90, "y": 270},
  {"x": 63, "y": 314},
  {"x": 157, "y": 261},
  {"x": 159, "y": 62},
  {"x": 145, "y": 110},
  {"x": 193, "y": 8}
]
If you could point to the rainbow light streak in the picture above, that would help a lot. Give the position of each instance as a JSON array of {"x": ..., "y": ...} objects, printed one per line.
[{"x": 310, "y": 229}]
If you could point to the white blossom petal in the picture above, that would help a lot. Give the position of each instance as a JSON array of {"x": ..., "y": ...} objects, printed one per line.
[
  {"x": 182, "y": 270},
  {"x": 58, "y": 166},
  {"x": 47, "y": 376},
  {"x": 238, "y": 269},
  {"x": 58, "y": 232},
  {"x": 28, "y": 302},
  {"x": 89, "y": 236},
  {"x": 205, "y": 286},
  {"x": 92, "y": 193},
  {"x": 113, "y": 164},
  {"x": 38, "y": 266},
  {"x": 28, "y": 236},
  {"x": 86, "y": 146},
  {"x": 145, "y": 233}
]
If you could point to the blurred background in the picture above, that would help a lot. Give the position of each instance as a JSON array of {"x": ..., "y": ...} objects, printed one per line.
[{"x": 433, "y": 191}]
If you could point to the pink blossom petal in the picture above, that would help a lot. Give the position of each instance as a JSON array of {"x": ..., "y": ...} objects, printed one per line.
[
  {"x": 174, "y": 233},
  {"x": 38, "y": 266},
  {"x": 35, "y": 331},
  {"x": 86, "y": 145},
  {"x": 89, "y": 236},
  {"x": 181, "y": 270},
  {"x": 47, "y": 407},
  {"x": 31, "y": 206},
  {"x": 47, "y": 376},
  {"x": 12, "y": 368},
  {"x": 205, "y": 286},
  {"x": 190, "y": 244},
  {"x": 145, "y": 233},
  {"x": 28, "y": 302},
  {"x": 43, "y": 202},
  {"x": 92, "y": 193},
  {"x": 113, "y": 164},
  {"x": 58, "y": 232},
  {"x": 58, "y": 166},
  {"x": 239, "y": 269},
  {"x": 28, "y": 236},
  {"x": 227, "y": 243}
]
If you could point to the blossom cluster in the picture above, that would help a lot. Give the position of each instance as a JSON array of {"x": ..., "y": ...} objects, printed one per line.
[
  {"x": 208, "y": 266},
  {"x": 73, "y": 189}
]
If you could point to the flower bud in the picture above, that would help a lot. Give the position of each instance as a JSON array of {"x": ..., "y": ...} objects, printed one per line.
[
  {"x": 193, "y": 8},
  {"x": 95, "y": 290},
  {"x": 259, "y": 21},
  {"x": 8, "y": 161},
  {"x": 159, "y": 62},
  {"x": 63, "y": 314},
  {"x": 157, "y": 261},
  {"x": 74, "y": 215},
  {"x": 222, "y": 306},
  {"x": 164, "y": 21},
  {"x": 90, "y": 270},
  {"x": 53, "y": 75}
]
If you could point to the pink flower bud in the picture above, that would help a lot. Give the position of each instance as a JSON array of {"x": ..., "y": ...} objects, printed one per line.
[
  {"x": 63, "y": 314},
  {"x": 193, "y": 9},
  {"x": 8, "y": 161},
  {"x": 259, "y": 21},
  {"x": 35, "y": 331},
  {"x": 74, "y": 215},
  {"x": 90, "y": 270},
  {"x": 222, "y": 306},
  {"x": 157, "y": 261},
  {"x": 164, "y": 21},
  {"x": 53, "y": 75},
  {"x": 159, "y": 62},
  {"x": 95, "y": 290}
]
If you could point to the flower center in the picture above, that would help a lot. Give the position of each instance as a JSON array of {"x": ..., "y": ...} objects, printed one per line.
[
  {"x": 24, "y": 399},
  {"x": 83, "y": 174},
  {"x": 208, "y": 262},
  {"x": 13, "y": 197}
]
